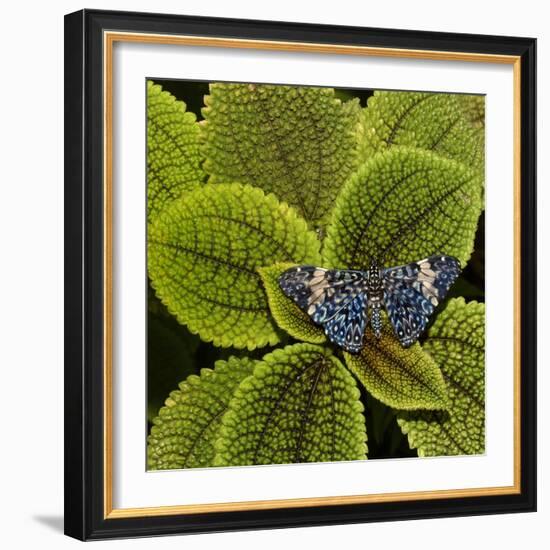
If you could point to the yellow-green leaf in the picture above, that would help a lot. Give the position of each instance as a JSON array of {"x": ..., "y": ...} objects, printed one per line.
[
  {"x": 403, "y": 378},
  {"x": 299, "y": 143},
  {"x": 473, "y": 107},
  {"x": 286, "y": 313},
  {"x": 404, "y": 205},
  {"x": 436, "y": 122},
  {"x": 457, "y": 342},
  {"x": 173, "y": 154},
  {"x": 300, "y": 405},
  {"x": 203, "y": 254},
  {"x": 184, "y": 432}
]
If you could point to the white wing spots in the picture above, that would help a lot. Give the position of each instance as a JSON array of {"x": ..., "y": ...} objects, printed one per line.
[
  {"x": 428, "y": 277},
  {"x": 429, "y": 291},
  {"x": 318, "y": 286},
  {"x": 316, "y": 295},
  {"x": 316, "y": 280}
]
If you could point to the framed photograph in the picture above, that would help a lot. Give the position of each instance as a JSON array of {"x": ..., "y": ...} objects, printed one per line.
[{"x": 300, "y": 274}]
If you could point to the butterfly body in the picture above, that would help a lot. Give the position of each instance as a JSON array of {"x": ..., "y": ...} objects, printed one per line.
[{"x": 343, "y": 301}]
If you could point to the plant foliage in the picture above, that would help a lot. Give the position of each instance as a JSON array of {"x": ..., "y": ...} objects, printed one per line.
[
  {"x": 402, "y": 206},
  {"x": 186, "y": 428},
  {"x": 286, "y": 313},
  {"x": 440, "y": 123},
  {"x": 401, "y": 378},
  {"x": 173, "y": 155},
  {"x": 293, "y": 176},
  {"x": 298, "y": 143},
  {"x": 300, "y": 405},
  {"x": 457, "y": 342},
  {"x": 473, "y": 107},
  {"x": 204, "y": 251}
]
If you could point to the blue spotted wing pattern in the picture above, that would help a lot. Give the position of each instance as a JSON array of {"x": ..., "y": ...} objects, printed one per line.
[
  {"x": 341, "y": 300},
  {"x": 334, "y": 299},
  {"x": 413, "y": 291}
]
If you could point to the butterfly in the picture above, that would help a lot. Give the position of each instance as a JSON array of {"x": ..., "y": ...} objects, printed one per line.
[{"x": 343, "y": 300}]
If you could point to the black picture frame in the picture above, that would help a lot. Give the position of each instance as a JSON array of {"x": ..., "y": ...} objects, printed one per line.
[{"x": 84, "y": 281}]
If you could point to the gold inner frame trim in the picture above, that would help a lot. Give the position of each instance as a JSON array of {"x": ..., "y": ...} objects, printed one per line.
[{"x": 109, "y": 39}]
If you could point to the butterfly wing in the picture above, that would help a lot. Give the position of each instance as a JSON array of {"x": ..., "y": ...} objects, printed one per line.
[
  {"x": 334, "y": 299},
  {"x": 412, "y": 292},
  {"x": 347, "y": 328}
]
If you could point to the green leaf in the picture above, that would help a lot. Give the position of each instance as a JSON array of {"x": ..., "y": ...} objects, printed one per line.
[
  {"x": 457, "y": 342},
  {"x": 432, "y": 121},
  {"x": 403, "y": 378},
  {"x": 185, "y": 430},
  {"x": 402, "y": 206},
  {"x": 299, "y": 143},
  {"x": 173, "y": 155},
  {"x": 301, "y": 405},
  {"x": 170, "y": 349},
  {"x": 204, "y": 251},
  {"x": 473, "y": 106},
  {"x": 286, "y": 313}
]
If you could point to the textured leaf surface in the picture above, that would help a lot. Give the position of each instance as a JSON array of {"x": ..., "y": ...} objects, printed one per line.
[
  {"x": 433, "y": 121},
  {"x": 185, "y": 430},
  {"x": 173, "y": 155},
  {"x": 299, "y": 143},
  {"x": 473, "y": 107},
  {"x": 403, "y": 378},
  {"x": 301, "y": 405},
  {"x": 204, "y": 251},
  {"x": 457, "y": 342},
  {"x": 402, "y": 206},
  {"x": 286, "y": 313}
]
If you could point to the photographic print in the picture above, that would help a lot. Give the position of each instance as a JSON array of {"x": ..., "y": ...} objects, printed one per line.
[
  {"x": 315, "y": 264},
  {"x": 279, "y": 307}
]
